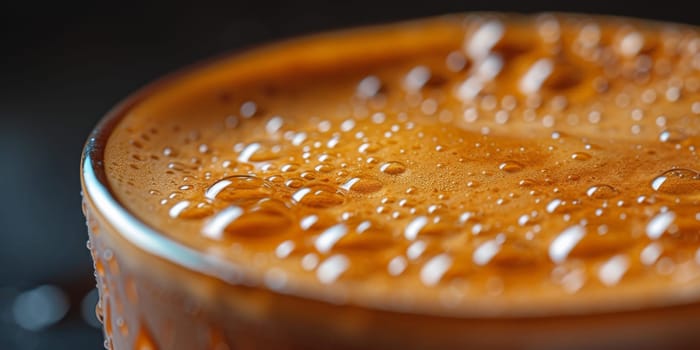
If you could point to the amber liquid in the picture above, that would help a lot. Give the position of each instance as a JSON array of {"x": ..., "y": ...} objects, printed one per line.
[{"x": 403, "y": 184}]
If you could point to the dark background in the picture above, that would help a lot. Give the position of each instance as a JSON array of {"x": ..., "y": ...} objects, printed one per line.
[{"x": 62, "y": 66}]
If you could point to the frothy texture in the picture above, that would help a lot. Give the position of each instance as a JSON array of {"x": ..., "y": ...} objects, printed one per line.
[{"x": 538, "y": 163}]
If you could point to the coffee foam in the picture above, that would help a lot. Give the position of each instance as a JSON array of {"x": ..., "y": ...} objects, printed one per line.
[{"x": 542, "y": 161}]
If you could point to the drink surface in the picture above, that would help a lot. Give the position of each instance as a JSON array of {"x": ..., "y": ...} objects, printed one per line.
[{"x": 461, "y": 165}]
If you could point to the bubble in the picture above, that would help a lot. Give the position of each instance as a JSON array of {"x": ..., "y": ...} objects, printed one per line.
[
  {"x": 631, "y": 44},
  {"x": 274, "y": 124},
  {"x": 433, "y": 270},
  {"x": 650, "y": 254},
  {"x": 178, "y": 166},
  {"x": 677, "y": 182},
  {"x": 659, "y": 224},
  {"x": 308, "y": 221},
  {"x": 239, "y": 188},
  {"x": 368, "y": 148},
  {"x": 328, "y": 238},
  {"x": 257, "y": 152},
  {"x": 511, "y": 166},
  {"x": 176, "y": 209},
  {"x": 248, "y": 109},
  {"x": 565, "y": 242},
  {"x": 261, "y": 220},
  {"x": 324, "y": 168},
  {"x": 611, "y": 272},
  {"x": 413, "y": 228},
  {"x": 369, "y": 87},
  {"x": 484, "y": 39},
  {"x": 318, "y": 196},
  {"x": 455, "y": 61},
  {"x": 601, "y": 191},
  {"x": 196, "y": 211},
  {"x": 486, "y": 251},
  {"x": 332, "y": 268},
  {"x": 580, "y": 156},
  {"x": 231, "y": 122},
  {"x": 536, "y": 75},
  {"x": 309, "y": 261},
  {"x": 362, "y": 185},
  {"x": 589, "y": 36},
  {"x": 275, "y": 279},
  {"x": 553, "y": 205},
  {"x": 416, "y": 78},
  {"x": 397, "y": 266},
  {"x": 284, "y": 249},
  {"x": 294, "y": 183},
  {"x": 672, "y": 136},
  {"x": 392, "y": 168}
]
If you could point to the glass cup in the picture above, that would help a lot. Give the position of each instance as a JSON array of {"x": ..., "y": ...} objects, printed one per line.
[{"x": 159, "y": 293}]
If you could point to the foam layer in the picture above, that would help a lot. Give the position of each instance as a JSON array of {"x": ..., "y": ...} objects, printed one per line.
[{"x": 482, "y": 163}]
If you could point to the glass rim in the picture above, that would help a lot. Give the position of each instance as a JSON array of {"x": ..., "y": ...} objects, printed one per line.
[{"x": 127, "y": 224}]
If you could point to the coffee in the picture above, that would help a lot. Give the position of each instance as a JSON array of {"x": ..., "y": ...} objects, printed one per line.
[{"x": 402, "y": 183}]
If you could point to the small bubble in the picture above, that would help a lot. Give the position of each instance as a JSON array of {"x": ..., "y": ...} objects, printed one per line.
[
  {"x": 397, "y": 265},
  {"x": 318, "y": 196},
  {"x": 231, "y": 122},
  {"x": 257, "y": 152},
  {"x": 284, "y": 249},
  {"x": 238, "y": 188},
  {"x": 392, "y": 168},
  {"x": 294, "y": 183},
  {"x": 565, "y": 242},
  {"x": 612, "y": 271},
  {"x": 678, "y": 182},
  {"x": 309, "y": 261},
  {"x": 456, "y": 61},
  {"x": 433, "y": 270},
  {"x": 261, "y": 220},
  {"x": 369, "y": 87},
  {"x": 332, "y": 268},
  {"x": 581, "y": 156},
  {"x": 416, "y": 78},
  {"x": 274, "y": 124},
  {"x": 631, "y": 44},
  {"x": 659, "y": 224},
  {"x": 248, "y": 109},
  {"x": 511, "y": 166},
  {"x": 673, "y": 136},
  {"x": 601, "y": 192},
  {"x": 324, "y": 168},
  {"x": 362, "y": 185},
  {"x": 169, "y": 152}
]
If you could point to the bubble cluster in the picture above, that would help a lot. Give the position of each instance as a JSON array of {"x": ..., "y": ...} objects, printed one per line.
[{"x": 556, "y": 152}]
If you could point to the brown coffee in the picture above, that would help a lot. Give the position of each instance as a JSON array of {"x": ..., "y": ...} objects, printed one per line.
[{"x": 473, "y": 180}]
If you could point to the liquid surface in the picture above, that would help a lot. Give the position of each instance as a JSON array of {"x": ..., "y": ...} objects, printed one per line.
[{"x": 469, "y": 164}]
